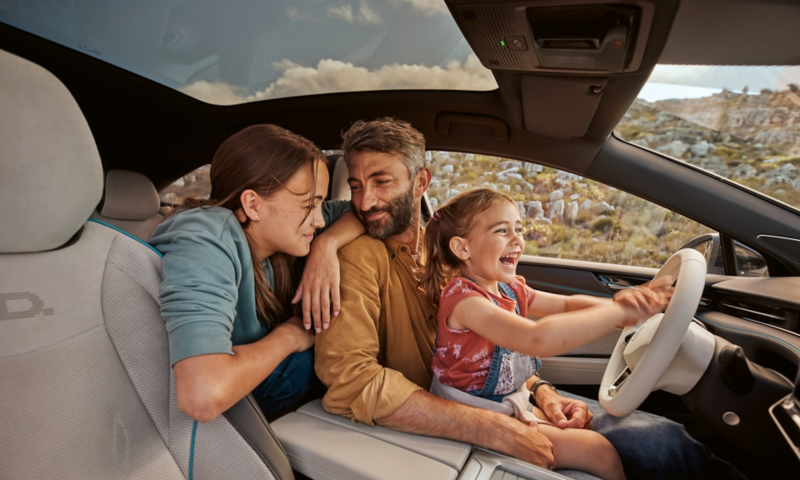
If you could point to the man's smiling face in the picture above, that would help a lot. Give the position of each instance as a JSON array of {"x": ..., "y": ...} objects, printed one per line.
[{"x": 382, "y": 192}]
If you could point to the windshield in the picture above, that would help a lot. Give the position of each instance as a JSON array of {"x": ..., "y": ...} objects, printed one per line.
[
  {"x": 240, "y": 51},
  {"x": 741, "y": 123}
]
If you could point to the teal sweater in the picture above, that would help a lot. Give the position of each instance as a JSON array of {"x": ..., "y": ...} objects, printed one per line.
[{"x": 208, "y": 292}]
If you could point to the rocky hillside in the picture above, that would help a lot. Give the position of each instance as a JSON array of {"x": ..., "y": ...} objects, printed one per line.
[
  {"x": 751, "y": 139},
  {"x": 566, "y": 215}
]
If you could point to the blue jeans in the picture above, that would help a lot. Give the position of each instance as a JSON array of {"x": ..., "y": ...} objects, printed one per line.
[
  {"x": 287, "y": 385},
  {"x": 654, "y": 447}
]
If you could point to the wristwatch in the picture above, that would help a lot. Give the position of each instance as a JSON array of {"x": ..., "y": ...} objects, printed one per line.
[{"x": 536, "y": 386}]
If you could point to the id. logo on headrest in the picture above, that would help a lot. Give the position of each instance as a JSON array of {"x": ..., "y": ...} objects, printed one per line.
[{"x": 36, "y": 306}]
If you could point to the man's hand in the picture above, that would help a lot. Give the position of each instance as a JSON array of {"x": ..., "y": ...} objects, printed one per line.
[
  {"x": 425, "y": 414},
  {"x": 562, "y": 411},
  {"x": 319, "y": 286}
]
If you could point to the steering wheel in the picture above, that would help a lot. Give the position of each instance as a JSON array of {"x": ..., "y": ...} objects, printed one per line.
[{"x": 626, "y": 384}]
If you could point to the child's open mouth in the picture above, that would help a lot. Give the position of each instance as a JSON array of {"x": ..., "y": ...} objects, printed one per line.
[{"x": 510, "y": 261}]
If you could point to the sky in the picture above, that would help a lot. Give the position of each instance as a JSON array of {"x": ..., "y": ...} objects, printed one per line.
[
  {"x": 682, "y": 81},
  {"x": 249, "y": 50}
]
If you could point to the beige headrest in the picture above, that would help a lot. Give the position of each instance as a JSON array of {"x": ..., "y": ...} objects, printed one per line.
[
  {"x": 51, "y": 177},
  {"x": 129, "y": 196}
]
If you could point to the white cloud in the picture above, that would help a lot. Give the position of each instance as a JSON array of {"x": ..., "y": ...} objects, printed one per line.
[
  {"x": 292, "y": 12},
  {"x": 330, "y": 76},
  {"x": 428, "y": 6},
  {"x": 363, "y": 15},
  {"x": 216, "y": 93}
]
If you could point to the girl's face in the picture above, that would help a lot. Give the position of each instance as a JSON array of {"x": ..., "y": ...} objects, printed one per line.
[
  {"x": 491, "y": 250},
  {"x": 286, "y": 221}
]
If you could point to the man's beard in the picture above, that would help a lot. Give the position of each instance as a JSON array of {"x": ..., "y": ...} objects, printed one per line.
[{"x": 400, "y": 214}]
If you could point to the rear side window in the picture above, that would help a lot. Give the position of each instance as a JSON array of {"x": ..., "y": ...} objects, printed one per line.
[{"x": 196, "y": 183}]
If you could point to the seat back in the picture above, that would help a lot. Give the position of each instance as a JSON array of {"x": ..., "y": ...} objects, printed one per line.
[{"x": 86, "y": 388}]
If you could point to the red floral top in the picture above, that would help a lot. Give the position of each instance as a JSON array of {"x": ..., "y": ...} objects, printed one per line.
[{"x": 463, "y": 358}]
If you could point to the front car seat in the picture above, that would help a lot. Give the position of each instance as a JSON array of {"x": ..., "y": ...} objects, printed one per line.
[{"x": 86, "y": 388}]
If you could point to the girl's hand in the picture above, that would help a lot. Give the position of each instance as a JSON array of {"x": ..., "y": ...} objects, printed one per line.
[
  {"x": 644, "y": 301},
  {"x": 319, "y": 285}
]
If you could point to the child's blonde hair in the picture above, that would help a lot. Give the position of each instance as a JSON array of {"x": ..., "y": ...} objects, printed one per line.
[{"x": 455, "y": 219}]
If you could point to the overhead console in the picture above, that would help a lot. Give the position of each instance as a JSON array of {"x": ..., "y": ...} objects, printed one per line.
[{"x": 557, "y": 36}]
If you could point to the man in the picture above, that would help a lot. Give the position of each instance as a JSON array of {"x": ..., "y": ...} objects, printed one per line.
[{"x": 376, "y": 357}]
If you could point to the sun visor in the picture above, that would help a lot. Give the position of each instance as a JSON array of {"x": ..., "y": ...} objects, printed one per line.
[{"x": 560, "y": 107}]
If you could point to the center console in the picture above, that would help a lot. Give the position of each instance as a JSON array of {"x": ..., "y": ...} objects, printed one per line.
[{"x": 323, "y": 446}]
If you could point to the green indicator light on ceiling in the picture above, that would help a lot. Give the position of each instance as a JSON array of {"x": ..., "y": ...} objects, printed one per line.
[{"x": 502, "y": 43}]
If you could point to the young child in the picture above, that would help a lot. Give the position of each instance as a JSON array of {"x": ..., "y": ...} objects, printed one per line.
[{"x": 486, "y": 346}]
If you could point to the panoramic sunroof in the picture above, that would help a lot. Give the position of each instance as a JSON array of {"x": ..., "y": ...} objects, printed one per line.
[{"x": 240, "y": 51}]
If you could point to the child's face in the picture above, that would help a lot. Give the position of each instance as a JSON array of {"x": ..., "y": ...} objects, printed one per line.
[{"x": 494, "y": 245}]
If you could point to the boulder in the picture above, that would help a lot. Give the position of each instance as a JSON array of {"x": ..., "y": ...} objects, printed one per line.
[
  {"x": 586, "y": 205},
  {"x": 506, "y": 188},
  {"x": 743, "y": 170},
  {"x": 675, "y": 148},
  {"x": 556, "y": 211},
  {"x": 556, "y": 195},
  {"x": 544, "y": 221},
  {"x": 435, "y": 183},
  {"x": 508, "y": 164},
  {"x": 451, "y": 193},
  {"x": 701, "y": 149},
  {"x": 572, "y": 211},
  {"x": 533, "y": 168},
  {"x": 602, "y": 207},
  {"x": 780, "y": 180},
  {"x": 469, "y": 157},
  {"x": 712, "y": 164},
  {"x": 528, "y": 186},
  {"x": 574, "y": 196},
  {"x": 534, "y": 209},
  {"x": 515, "y": 175},
  {"x": 796, "y": 185},
  {"x": 517, "y": 188},
  {"x": 462, "y": 187},
  {"x": 434, "y": 202},
  {"x": 785, "y": 175},
  {"x": 569, "y": 177},
  {"x": 521, "y": 208},
  {"x": 446, "y": 170},
  {"x": 428, "y": 156}
]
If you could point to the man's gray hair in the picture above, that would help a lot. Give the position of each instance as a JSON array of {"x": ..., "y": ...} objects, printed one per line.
[{"x": 387, "y": 135}]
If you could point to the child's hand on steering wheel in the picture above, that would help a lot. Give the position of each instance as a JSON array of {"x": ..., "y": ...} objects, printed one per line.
[{"x": 645, "y": 300}]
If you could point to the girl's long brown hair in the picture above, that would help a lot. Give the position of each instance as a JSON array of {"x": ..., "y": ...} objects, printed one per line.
[
  {"x": 261, "y": 158},
  {"x": 455, "y": 219}
]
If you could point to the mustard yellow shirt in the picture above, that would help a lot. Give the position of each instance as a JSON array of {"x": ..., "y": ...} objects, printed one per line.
[{"x": 378, "y": 351}]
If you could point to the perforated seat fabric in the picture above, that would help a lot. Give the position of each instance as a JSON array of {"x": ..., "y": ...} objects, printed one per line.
[{"x": 86, "y": 388}]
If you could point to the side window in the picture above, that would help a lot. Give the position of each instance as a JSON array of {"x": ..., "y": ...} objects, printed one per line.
[
  {"x": 196, "y": 183},
  {"x": 568, "y": 216}
]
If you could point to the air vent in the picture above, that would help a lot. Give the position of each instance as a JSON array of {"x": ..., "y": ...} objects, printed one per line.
[
  {"x": 747, "y": 309},
  {"x": 469, "y": 15},
  {"x": 493, "y": 62}
]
